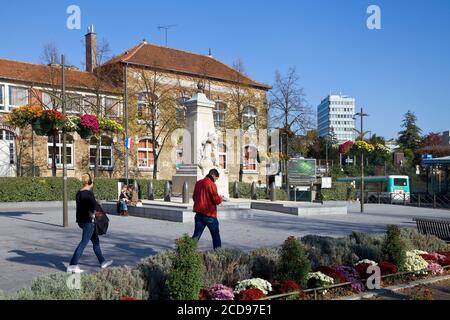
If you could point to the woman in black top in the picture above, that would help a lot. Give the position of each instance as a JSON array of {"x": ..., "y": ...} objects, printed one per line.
[{"x": 86, "y": 207}]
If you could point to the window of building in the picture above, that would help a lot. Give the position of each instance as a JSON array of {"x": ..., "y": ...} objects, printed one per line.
[
  {"x": 250, "y": 158},
  {"x": 146, "y": 106},
  {"x": 75, "y": 103},
  {"x": 146, "y": 155},
  {"x": 220, "y": 114},
  {"x": 48, "y": 101},
  {"x": 249, "y": 118},
  {"x": 2, "y": 97},
  {"x": 59, "y": 150},
  {"x": 18, "y": 96},
  {"x": 112, "y": 107},
  {"x": 105, "y": 152},
  {"x": 181, "y": 110},
  {"x": 222, "y": 156},
  {"x": 6, "y": 135}
]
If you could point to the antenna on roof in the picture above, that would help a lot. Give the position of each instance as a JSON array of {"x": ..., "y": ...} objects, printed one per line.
[{"x": 166, "y": 28}]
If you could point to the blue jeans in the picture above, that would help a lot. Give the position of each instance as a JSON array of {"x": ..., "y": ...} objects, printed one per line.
[
  {"x": 201, "y": 222},
  {"x": 89, "y": 233},
  {"x": 123, "y": 205}
]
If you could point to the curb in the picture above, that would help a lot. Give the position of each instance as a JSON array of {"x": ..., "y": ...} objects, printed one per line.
[{"x": 37, "y": 204}]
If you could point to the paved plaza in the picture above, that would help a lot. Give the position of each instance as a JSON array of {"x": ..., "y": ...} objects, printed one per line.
[{"x": 33, "y": 243}]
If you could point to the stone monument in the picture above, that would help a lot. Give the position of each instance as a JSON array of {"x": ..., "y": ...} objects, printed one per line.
[{"x": 200, "y": 146}]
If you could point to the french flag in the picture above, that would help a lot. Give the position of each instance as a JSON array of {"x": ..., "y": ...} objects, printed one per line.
[{"x": 128, "y": 143}]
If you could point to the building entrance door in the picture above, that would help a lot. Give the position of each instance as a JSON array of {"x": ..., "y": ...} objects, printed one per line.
[{"x": 7, "y": 154}]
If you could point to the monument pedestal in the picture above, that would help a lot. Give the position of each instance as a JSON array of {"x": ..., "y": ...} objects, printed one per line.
[{"x": 200, "y": 153}]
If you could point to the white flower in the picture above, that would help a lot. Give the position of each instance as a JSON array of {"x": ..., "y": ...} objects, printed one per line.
[
  {"x": 367, "y": 261},
  {"x": 256, "y": 283},
  {"x": 415, "y": 263},
  {"x": 323, "y": 278}
]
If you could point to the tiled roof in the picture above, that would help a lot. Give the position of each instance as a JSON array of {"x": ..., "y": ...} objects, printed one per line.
[
  {"x": 179, "y": 61},
  {"x": 39, "y": 74}
]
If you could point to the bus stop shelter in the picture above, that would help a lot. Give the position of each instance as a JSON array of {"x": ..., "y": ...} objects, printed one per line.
[{"x": 438, "y": 175}]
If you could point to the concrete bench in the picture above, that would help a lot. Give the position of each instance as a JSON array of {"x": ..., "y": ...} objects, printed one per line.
[{"x": 437, "y": 227}]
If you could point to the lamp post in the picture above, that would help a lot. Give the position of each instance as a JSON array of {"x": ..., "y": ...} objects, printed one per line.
[
  {"x": 361, "y": 114},
  {"x": 64, "y": 138}
]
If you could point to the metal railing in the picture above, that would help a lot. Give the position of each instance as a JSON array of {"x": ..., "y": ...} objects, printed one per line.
[
  {"x": 346, "y": 284},
  {"x": 425, "y": 200}
]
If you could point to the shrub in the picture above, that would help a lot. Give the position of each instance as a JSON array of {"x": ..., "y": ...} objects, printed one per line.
[
  {"x": 226, "y": 266},
  {"x": 186, "y": 274},
  {"x": 3, "y": 296},
  {"x": 362, "y": 270},
  {"x": 115, "y": 284},
  {"x": 25, "y": 189},
  {"x": 262, "y": 193},
  {"x": 264, "y": 263},
  {"x": 366, "y": 246},
  {"x": 52, "y": 287},
  {"x": 394, "y": 248},
  {"x": 387, "y": 268},
  {"x": 293, "y": 265},
  {"x": 289, "y": 286},
  {"x": 220, "y": 292},
  {"x": 415, "y": 240},
  {"x": 337, "y": 276},
  {"x": 326, "y": 251},
  {"x": 255, "y": 283},
  {"x": 415, "y": 263},
  {"x": 318, "y": 280},
  {"x": 251, "y": 294},
  {"x": 155, "y": 272},
  {"x": 341, "y": 191}
]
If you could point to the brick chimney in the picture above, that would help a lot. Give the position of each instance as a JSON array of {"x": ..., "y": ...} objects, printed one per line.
[{"x": 91, "y": 49}]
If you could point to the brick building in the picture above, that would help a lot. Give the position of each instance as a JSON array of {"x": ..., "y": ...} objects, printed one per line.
[{"x": 146, "y": 85}]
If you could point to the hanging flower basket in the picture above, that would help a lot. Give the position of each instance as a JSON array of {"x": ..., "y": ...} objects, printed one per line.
[
  {"x": 110, "y": 126},
  {"x": 88, "y": 126},
  {"x": 42, "y": 126},
  {"x": 85, "y": 133}
]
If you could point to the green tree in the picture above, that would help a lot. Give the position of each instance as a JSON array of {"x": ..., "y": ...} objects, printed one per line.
[
  {"x": 394, "y": 248},
  {"x": 294, "y": 265},
  {"x": 186, "y": 274},
  {"x": 410, "y": 136}
]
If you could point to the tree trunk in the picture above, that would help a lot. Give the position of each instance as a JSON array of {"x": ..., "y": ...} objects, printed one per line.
[{"x": 155, "y": 167}]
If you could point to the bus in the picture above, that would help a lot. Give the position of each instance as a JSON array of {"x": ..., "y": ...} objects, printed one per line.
[{"x": 382, "y": 188}]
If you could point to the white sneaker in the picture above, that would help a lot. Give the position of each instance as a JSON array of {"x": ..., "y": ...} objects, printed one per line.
[
  {"x": 74, "y": 269},
  {"x": 106, "y": 264}
]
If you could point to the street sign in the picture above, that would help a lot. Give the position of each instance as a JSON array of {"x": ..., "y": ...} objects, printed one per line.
[{"x": 302, "y": 171}]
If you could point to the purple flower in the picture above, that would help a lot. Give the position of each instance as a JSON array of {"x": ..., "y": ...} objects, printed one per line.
[
  {"x": 221, "y": 292},
  {"x": 351, "y": 275}
]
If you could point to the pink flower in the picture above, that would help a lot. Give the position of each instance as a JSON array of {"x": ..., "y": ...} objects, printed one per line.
[{"x": 90, "y": 122}]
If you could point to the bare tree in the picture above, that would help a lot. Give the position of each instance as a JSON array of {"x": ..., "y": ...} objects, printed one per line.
[
  {"x": 240, "y": 97},
  {"x": 104, "y": 79},
  {"x": 50, "y": 54},
  {"x": 156, "y": 106},
  {"x": 289, "y": 110}
]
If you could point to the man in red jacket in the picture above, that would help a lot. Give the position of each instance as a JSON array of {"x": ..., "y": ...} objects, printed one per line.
[{"x": 206, "y": 200}]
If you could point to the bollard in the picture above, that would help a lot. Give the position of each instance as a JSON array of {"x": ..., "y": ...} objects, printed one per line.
[
  {"x": 273, "y": 192},
  {"x": 167, "y": 192},
  {"x": 236, "y": 192},
  {"x": 151, "y": 190},
  {"x": 419, "y": 201},
  {"x": 185, "y": 192},
  {"x": 253, "y": 191}
]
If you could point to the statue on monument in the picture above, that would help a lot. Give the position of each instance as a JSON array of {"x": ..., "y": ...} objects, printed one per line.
[{"x": 208, "y": 153}]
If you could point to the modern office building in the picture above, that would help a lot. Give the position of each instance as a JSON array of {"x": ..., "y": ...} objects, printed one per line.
[{"x": 335, "y": 117}]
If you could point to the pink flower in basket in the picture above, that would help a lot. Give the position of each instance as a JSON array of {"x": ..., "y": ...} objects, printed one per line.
[{"x": 90, "y": 122}]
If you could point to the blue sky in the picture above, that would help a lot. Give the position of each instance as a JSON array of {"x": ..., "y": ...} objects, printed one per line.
[{"x": 405, "y": 65}]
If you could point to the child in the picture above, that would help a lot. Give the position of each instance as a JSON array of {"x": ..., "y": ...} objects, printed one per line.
[{"x": 124, "y": 202}]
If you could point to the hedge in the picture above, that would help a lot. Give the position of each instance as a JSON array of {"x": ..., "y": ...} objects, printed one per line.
[
  {"x": 261, "y": 193},
  {"x": 340, "y": 191},
  {"x": 27, "y": 189}
]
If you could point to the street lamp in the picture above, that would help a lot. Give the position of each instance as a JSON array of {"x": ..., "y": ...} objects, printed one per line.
[{"x": 362, "y": 134}]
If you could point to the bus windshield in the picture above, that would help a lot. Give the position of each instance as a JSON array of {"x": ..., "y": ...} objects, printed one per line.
[{"x": 400, "y": 182}]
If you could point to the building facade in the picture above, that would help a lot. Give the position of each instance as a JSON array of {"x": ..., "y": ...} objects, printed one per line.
[
  {"x": 335, "y": 118},
  {"x": 145, "y": 89}
]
